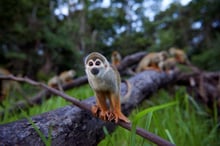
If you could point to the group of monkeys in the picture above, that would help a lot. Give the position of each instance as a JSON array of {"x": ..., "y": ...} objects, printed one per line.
[
  {"x": 105, "y": 80},
  {"x": 159, "y": 61},
  {"x": 163, "y": 61}
]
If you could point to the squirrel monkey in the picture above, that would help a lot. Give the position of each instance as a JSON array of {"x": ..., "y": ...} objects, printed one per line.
[
  {"x": 116, "y": 58},
  {"x": 67, "y": 76},
  {"x": 168, "y": 64},
  {"x": 6, "y": 86},
  {"x": 64, "y": 78},
  {"x": 179, "y": 55},
  {"x": 55, "y": 82},
  {"x": 151, "y": 61},
  {"x": 105, "y": 81}
]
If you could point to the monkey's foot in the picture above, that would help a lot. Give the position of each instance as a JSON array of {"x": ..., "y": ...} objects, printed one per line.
[
  {"x": 120, "y": 116},
  {"x": 110, "y": 116},
  {"x": 104, "y": 115}
]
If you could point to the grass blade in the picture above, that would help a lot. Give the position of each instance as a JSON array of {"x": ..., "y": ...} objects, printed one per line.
[{"x": 143, "y": 113}]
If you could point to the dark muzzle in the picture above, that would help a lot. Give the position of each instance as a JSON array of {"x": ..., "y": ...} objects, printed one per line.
[{"x": 95, "y": 71}]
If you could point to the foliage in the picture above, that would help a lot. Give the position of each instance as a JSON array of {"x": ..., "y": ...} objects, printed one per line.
[
  {"x": 38, "y": 39},
  {"x": 142, "y": 114},
  {"x": 186, "y": 123},
  {"x": 205, "y": 59}
]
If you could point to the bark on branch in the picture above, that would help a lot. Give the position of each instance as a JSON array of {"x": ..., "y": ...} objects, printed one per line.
[{"x": 71, "y": 125}]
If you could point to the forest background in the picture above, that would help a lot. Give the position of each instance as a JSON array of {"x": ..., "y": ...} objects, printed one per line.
[{"x": 41, "y": 38}]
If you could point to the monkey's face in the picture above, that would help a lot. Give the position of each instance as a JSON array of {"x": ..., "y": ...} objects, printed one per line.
[{"x": 95, "y": 67}]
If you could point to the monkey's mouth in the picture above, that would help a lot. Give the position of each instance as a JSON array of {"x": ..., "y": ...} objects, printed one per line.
[{"x": 94, "y": 71}]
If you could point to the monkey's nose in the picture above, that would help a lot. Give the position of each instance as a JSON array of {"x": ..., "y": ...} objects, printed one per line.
[{"x": 95, "y": 71}]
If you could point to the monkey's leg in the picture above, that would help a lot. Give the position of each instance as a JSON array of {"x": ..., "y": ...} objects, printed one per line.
[
  {"x": 155, "y": 66},
  {"x": 101, "y": 106},
  {"x": 115, "y": 104},
  {"x": 180, "y": 59},
  {"x": 152, "y": 68}
]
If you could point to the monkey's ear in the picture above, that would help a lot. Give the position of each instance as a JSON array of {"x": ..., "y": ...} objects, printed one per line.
[{"x": 85, "y": 61}]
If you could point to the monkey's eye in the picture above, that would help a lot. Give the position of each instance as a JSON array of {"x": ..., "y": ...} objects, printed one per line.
[
  {"x": 90, "y": 63},
  {"x": 97, "y": 62}
]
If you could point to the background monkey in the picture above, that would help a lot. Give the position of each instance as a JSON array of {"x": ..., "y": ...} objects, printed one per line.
[
  {"x": 8, "y": 86},
  {"x": 4, "y": 84},
  {"x": 64, "y": 78},
  {"x": 179, "y": 55},
  {"x": 55, "y": 82},
  {"x": 168, "y": 64},
  {"x": 151, "y": 61},
  {"x": 105, "y": 81},
  {"x": 67, "y": 76},
  {"x": 116, "y": 58}
]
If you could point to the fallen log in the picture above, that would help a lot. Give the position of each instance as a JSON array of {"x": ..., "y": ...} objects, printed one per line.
[
  {"x": 44, "y": 94},
  {"x": 73, "y": 126}
]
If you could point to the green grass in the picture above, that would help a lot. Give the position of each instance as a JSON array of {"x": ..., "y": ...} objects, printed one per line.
[
  {"x": 185, "y": 123},
  {"x": 46, "y": 141},
  {"x": 53, "y": 103},
  {"x": 177, "y": 118}
]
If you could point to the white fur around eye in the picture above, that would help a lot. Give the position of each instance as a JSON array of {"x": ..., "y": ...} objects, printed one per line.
[
  {"x": 90, "y": 63},
  {"x": 98, "y": 62}
]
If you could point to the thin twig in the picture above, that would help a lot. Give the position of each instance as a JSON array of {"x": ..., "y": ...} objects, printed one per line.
[{"x": 143, "y": 133}]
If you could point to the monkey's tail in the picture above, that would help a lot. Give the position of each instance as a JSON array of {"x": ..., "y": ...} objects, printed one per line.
[{"x": 128, "y": 93}]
